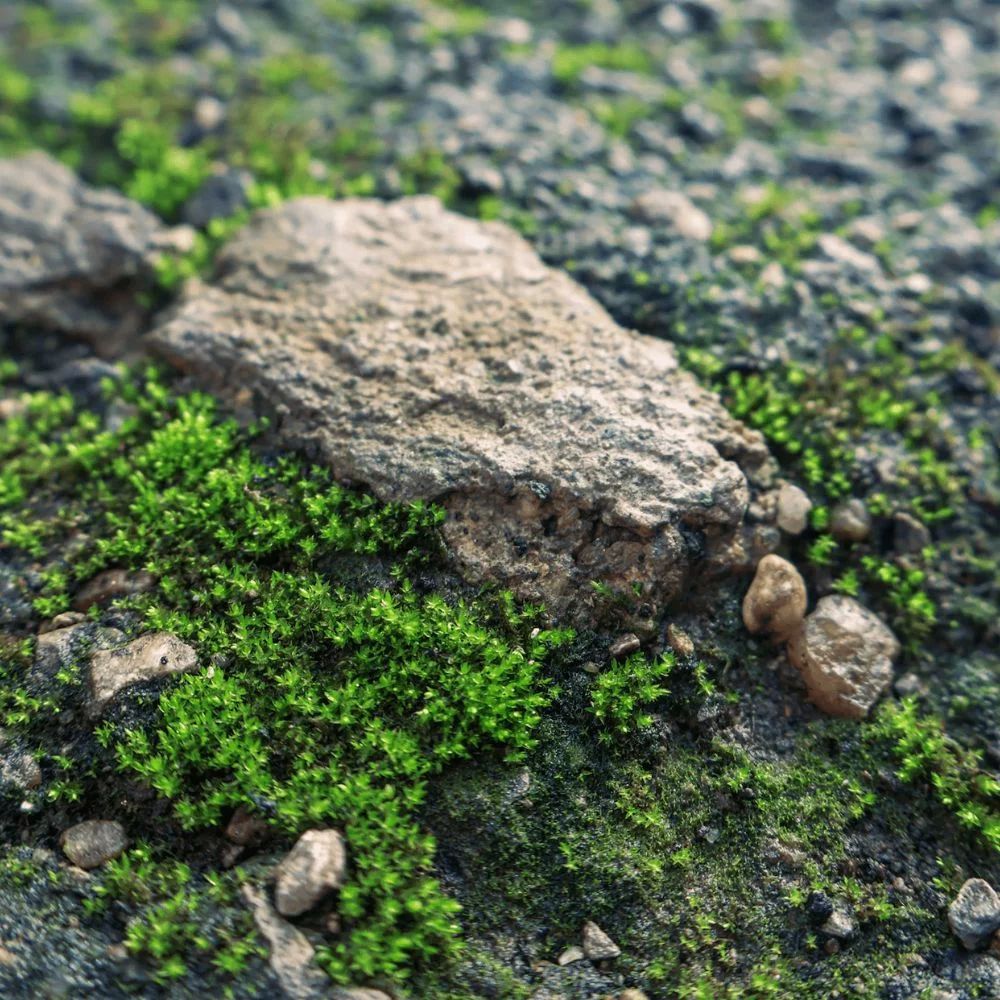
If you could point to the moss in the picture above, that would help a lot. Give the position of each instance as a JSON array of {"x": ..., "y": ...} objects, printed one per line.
[
  {"x": 176, "y": 917},
  {"x": 318, "y": 703},
  {"x": 663, "y": 842},
  {"x": 569, "y": 62}
]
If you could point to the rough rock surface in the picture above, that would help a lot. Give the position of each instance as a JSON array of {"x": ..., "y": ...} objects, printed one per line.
[
  {"x": 845, "y": 654},
  {"x": 427, "y": 355},
  {"x": 289, "y": 952},
  {"x": 597, "y": 943},
  {"x": 154, "y": 655},
  {"x": 72, "y": 257},
  {"x": 776, "y": 602},
  {"x": 93, "y": 842},
  {"x": 974, "y": 914},
  {"x": 313, "y": 867}
]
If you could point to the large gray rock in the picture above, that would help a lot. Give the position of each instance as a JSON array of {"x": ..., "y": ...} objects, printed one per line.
[
  {"x": 72, "y": 258},
  {"x": 422, "y": 354}
]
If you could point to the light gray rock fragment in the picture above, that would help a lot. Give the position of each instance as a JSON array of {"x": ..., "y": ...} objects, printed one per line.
[
  {"x": 72, "y": 258},
  {"x": 290, "y": 954},
  {"x": 156, "y": 654},
  {"x": 92, "y": 843},
  {"x": 315, "y": 866},
  {"x": 974, "y": 914}
]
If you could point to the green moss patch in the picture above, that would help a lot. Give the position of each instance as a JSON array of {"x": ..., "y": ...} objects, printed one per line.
[{"x": 321, "y": 700}]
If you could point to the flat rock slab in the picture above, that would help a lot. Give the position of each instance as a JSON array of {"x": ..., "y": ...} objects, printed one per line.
[
  {"x": 421, "y": 354},
  {"x": 72, "y": 258}
]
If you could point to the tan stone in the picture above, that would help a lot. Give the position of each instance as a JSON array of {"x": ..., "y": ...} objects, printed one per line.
[
  {"x": 845, "y": 654},
  {"x": 425, "y": 355},
  {"x": 154, "y": 655},
  {"x": 314, "y": 867},
  {"x": 776, "y": 602}
]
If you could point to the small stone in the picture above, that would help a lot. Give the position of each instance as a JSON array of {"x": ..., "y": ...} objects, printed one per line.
[
  {"x": 20, "y": 770},
  {"x": 571, "y": 955},
  {"x": 838, "y": 250},
  {"x": 974, "y": 915},
  {"x": 850, "y": 521},
  {"x": 244, "y": 828},
  {"x": 358, "y": 993},
  {"x": 209, "y": 113},
  {"x": 909, "y": 685},
  {"x": 745, "y": 255},
  {"x": 845, "y": 655},
  {"x": 793, "y": 509},
  {"x": 679, "y": 641},
  {"x": 625, "y": 646},
  {"x": 776, "y": 602},
  {"x": 908, "y": 534},
  {"x": 91, "y": 843},
  {"x": 156, "y": 654},
  {"x": 219, "y": 197},
  {"x": 632, "y": 994},
  {"x": 112, "y": 584},
  {"x": 64, "y": 620},
  {"x": 596, "y": 944},
  {"x": 819, "y": 908},
  {"x": 773, "y": 275},
  {"x": 840, "y": 924},
  {"x": 315, "y": 866},
  {"x": 290, "y": 954},
  {"x": 676, "y": 210}
]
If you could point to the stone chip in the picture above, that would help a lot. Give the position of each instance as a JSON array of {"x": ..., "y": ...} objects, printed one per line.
[
  {"x": 315, "y": 866},
  {"x": 154, "y": 655}
]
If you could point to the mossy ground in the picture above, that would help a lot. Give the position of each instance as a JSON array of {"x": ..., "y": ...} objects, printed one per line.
[
  {"x": 694, "y": 827},
  {"x": 337, "y": 687}
]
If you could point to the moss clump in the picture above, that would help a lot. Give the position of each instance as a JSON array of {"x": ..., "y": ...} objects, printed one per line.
[
  {"x": 569, "y": 62},
  {"x": 321, "y": 699},
  {"x": 176, "y": 914},
  {"x": 928, "y": 756}
]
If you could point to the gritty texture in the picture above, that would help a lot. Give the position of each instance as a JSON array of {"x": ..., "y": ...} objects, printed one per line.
[
  {"x": 845, "y": 654},
  {"x": 429, "y": 356},
  {"x": 72, "y": 257}
]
